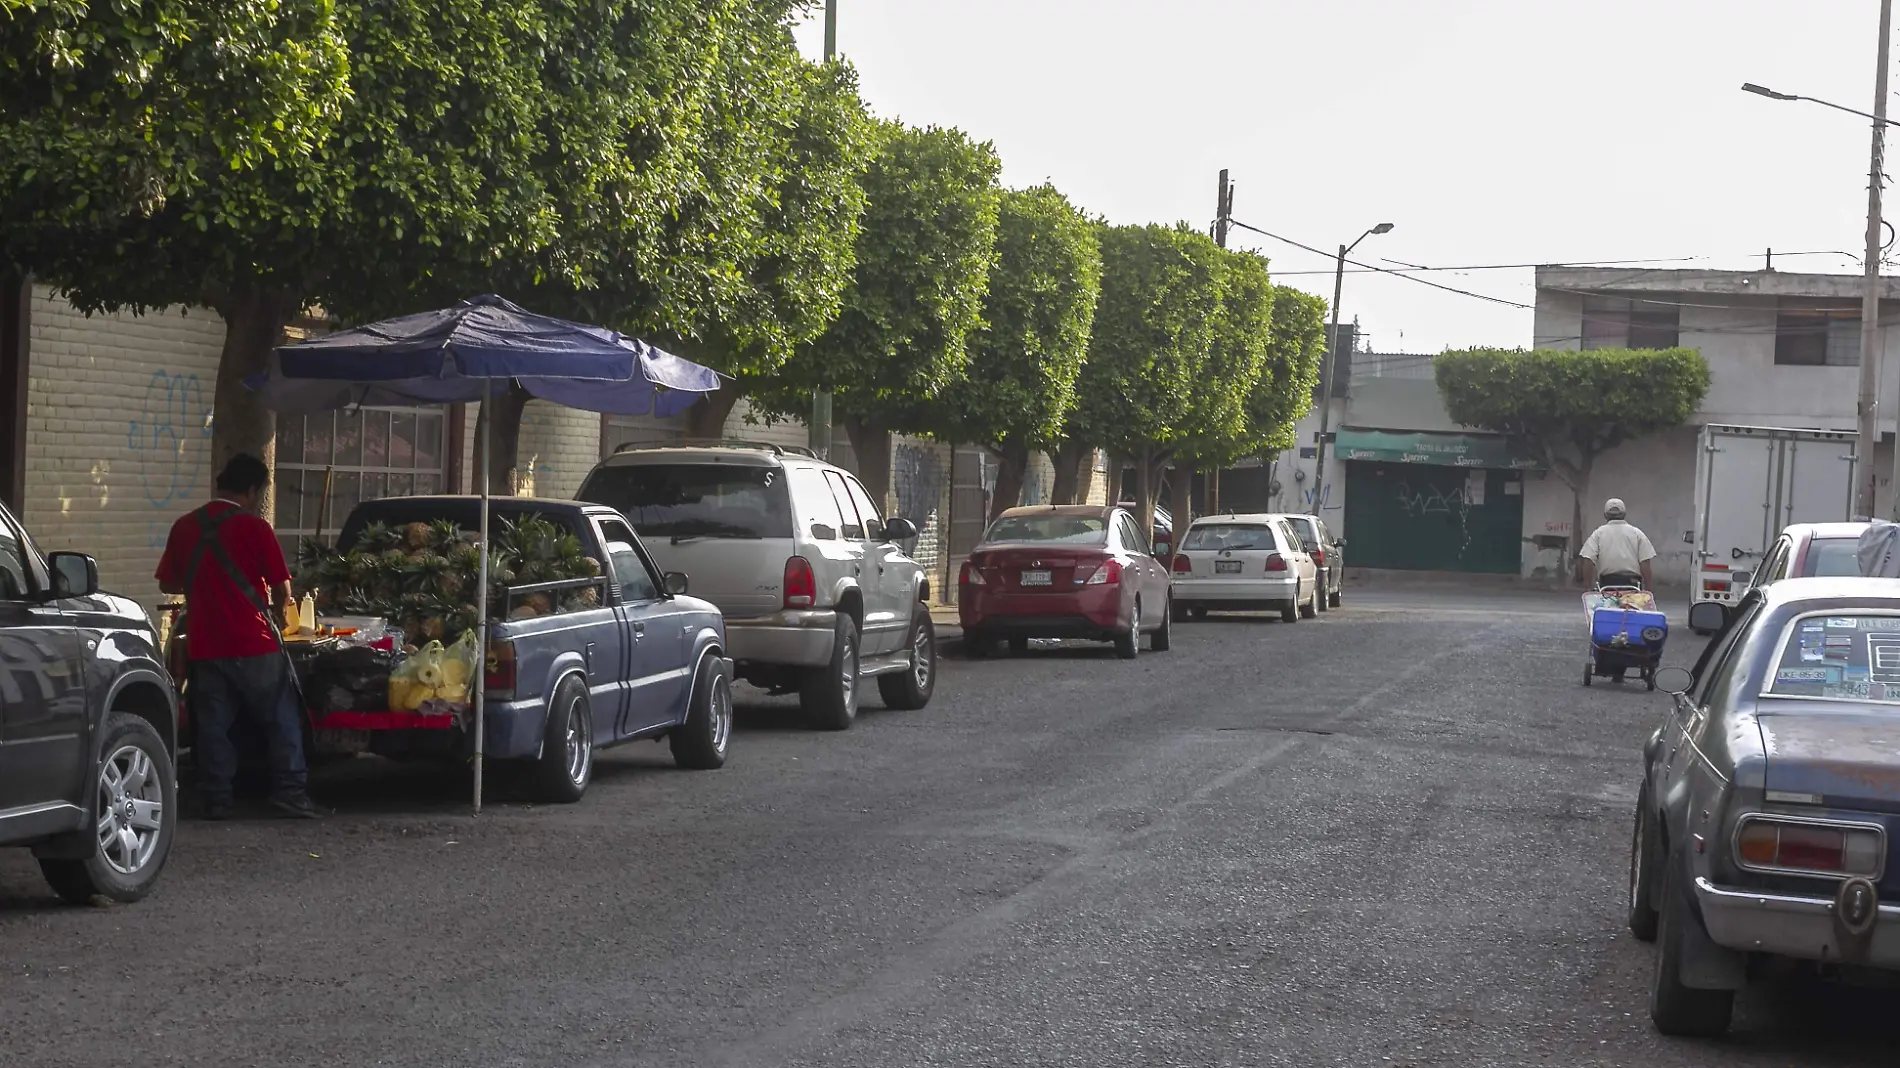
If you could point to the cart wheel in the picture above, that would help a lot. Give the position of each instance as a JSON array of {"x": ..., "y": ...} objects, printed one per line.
[{"x": 1589, "y": 672}]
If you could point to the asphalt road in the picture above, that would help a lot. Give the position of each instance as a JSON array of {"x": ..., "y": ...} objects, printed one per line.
[{"x": 1395, "y": 835}]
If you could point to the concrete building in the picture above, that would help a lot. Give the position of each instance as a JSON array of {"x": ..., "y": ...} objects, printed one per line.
[
  {"x": 105, "y": 438},
  {"x": 1783, "y": 350}
]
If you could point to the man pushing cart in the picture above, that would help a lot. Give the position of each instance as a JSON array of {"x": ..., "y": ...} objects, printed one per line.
[{"x": 1626, "y": 630}]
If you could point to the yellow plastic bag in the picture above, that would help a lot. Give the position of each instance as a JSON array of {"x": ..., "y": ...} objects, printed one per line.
[
  {"x": 459, "y": 665},
  {"x": 414, "y": 681}
]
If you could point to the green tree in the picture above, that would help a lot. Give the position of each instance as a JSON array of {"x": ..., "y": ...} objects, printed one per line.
[
  {"x": 1159, "y": 321},
  {"x": 1568, "y": 408},
  {"x": 557, "y": 144},
  {"x": 1026, "y": 357},
  {"x": 114, "y": 109},
  {"x": 924, "y": 254}
]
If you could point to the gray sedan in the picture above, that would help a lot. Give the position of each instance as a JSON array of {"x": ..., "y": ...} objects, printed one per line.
[{"x": 1771, "y": 789}]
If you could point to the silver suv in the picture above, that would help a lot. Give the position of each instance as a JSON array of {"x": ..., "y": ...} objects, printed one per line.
[{"x": 816, "y": 593}]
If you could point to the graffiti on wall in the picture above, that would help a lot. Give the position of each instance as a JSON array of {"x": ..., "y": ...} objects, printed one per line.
[{"x": 168, "y": 442}]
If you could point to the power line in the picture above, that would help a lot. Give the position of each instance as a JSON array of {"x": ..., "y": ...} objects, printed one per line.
[
  {"x": 1406, "y": 268},
  {"x": 1385, "y": 270}
]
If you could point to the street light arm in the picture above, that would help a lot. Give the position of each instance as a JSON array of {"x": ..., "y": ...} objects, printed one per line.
[{"x": 1750, "y": 87}]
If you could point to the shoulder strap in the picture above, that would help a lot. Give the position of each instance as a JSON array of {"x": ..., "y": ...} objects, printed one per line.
[{"x": 209, "y": 545}]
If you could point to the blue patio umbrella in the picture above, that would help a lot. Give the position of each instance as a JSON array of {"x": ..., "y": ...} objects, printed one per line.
[{"x": 459, "y": 354}]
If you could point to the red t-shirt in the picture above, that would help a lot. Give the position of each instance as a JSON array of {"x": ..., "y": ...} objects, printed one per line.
[{"x": 223, "y": 621}]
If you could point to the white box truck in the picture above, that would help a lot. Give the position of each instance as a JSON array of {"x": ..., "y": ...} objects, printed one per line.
[{"x": 1750, "y": 483}]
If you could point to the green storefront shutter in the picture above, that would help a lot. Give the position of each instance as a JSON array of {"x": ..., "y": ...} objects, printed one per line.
[{"x": 1424, "y": 516}]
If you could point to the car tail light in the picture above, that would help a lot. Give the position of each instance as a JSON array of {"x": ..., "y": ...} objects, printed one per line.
[
  {"x": 1276, "y": 562},
  {"x": 1182, "y": 565},
  {"x": 801, "y": 588},
  {"x": 1825, "y": 849},
  {"x": 971, "y": 575},
  {"x": 1109, "y": 574},
  {"x": 499, "y": 672},
  {"x": 1319, "y": 557}
]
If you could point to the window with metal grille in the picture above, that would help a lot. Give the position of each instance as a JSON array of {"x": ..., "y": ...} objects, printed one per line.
[
  {"x": 1817, "y": 337},
  {"x": 366, "y": 453}
]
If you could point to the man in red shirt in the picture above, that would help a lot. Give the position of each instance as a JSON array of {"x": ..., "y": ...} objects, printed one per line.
[{"x": 227, "y": 563}]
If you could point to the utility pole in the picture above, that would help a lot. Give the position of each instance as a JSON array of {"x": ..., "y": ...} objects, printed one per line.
[
  {"x": 1223, "y": 222},
  {"x": 1868, "y": 427},
  {"x": 1326, "y": 373},
  {"x": 818, "y": 428}
]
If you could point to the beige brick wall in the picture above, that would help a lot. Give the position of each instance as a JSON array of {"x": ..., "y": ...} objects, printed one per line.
[{"x": 118, "y": 432}]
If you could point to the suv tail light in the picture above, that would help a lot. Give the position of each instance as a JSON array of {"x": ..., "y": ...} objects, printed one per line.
[
  {"x": 1276, "y": 562},
  {"x": 499, "y": 672},
  {"x": 1182, "y": 565},
  {"x": 970, "y": 576},
  {"x": 1844, "y": 849},
  {"x": 1319, "y": 557},
  {"x": 801, "y": 587},
  {"x": 1109, "y": 574}
]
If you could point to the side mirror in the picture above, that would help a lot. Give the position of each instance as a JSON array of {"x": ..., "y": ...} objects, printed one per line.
[
  {"x": 74, "y": 575},
  {"x": 1340, "y": 542},
  {"x": 676, "y": 583},
  {"x": 1707, "y": 617},
  {"x": 897, "y": 528},
  {"x": 1675, "y": 680}
]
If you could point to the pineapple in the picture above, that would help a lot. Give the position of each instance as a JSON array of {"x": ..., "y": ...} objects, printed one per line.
[
  {"x": 445, "y": 537},
  {"x": 417, "y": 536}
]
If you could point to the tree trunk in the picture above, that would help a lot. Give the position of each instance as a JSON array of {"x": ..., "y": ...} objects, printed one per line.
[
  {"x": 707, "y": 418},
  {"x": 1069, "y": 458},
  {"x": 872, "y": 444},
  {"x": 1012, "y": 467},
  {"x": 1181, "y": 506},
  {"x": 504, "y": 467},
  {"x": 1117, "y": 464},
  {"x": 254, "y": 323},
  {"x": 1145, "y": 494}
]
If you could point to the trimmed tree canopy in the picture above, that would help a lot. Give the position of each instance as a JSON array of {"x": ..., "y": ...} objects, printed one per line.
[
  {"x": 1285, "y": 391},
  {"x": 1569, "y": 407}
]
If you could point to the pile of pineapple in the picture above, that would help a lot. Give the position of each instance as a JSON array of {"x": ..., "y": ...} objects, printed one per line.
[{"x": 422, "y": 577}]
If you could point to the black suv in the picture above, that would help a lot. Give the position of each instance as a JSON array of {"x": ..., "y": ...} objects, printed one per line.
[{"x": 88, "y": 726}]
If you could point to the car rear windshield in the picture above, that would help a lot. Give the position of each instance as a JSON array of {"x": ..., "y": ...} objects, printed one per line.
[
  {"x": 1216, "y": 536},
  {"x": 1068, "y": 529},
  {"x": 684, "y": 501},
  {"x": 1832, "y": 557},
  {"x": 1854, "y": 656}
]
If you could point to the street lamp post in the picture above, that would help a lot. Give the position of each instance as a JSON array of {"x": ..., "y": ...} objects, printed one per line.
[
  {"x": 1326, "y": 376},
  {"x": 1866, "y": 427}
]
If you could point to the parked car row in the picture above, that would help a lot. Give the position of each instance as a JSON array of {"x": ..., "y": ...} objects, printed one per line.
[{"x": 1770, "y": 791}]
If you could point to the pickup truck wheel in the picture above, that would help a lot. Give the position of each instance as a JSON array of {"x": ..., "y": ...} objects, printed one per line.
[
  {"x": 702, "y": 741},
  {"x": 567, "y": 750},
  {"x": 1641, "y": 915},
  {"x": 1676, "y": 1009},
  {"x": 829, "y": 695},
  {"x": 910, "y": 689},
  {"x": 137, "y": 814}
]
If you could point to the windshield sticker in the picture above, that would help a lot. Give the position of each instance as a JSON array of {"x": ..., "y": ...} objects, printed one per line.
[
  {"x": 1853, "y": 658},
  {"x": 1802, "y": 675}
]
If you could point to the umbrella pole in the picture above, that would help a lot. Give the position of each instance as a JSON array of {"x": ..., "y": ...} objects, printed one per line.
[{"x": 481, "y": 597}]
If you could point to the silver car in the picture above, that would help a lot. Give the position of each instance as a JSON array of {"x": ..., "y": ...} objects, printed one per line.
[
  {"x": 1328, "y": 553},
  {"x": 816, "y": 592},
  {"x": 1243, "y": 562}
]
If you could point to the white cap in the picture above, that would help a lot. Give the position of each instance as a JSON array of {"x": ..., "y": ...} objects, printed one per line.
[{"x": 1614, "y": 509}]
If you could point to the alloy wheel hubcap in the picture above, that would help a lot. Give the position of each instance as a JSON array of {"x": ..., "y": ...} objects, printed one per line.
[
  {"x": 579, "y": 746},
  {"x": 848, "y": 675},
  {"x": 131, "y": 810},
  {"x": 920, "y": 659},
  {"x": 721, "y": 715}
]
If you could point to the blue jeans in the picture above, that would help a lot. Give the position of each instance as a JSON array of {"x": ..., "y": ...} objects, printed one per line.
[{"x": 259, "y": 689}]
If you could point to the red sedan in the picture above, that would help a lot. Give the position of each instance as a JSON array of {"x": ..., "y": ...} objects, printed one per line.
[{"x": 1063, "y": 571}]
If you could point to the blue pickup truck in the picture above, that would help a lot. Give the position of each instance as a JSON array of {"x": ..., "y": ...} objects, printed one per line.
[{"x": 647, "y": 662}]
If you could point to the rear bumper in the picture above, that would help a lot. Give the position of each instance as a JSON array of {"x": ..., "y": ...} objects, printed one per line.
[
  {"x": 796, "y": 638},
  {"x": 1236, "y": 592},
  {"x": 1790, "y": 926},
  {"x": 1070, "y": 613}
]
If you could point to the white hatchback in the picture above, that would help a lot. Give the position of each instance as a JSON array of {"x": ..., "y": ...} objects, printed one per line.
[{"x": 1245, "y": 562}]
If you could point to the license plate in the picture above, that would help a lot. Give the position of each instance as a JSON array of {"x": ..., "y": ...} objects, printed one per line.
[
  {"x": 1035, "y": 578},
  {"x": 1226, "y": 567}
]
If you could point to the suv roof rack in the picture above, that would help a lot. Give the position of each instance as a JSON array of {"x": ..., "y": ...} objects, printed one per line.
[{"x": 718, "y": 443}]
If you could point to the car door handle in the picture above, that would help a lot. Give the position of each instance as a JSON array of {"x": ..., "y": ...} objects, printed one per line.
[{"x": 639, "y": 630}]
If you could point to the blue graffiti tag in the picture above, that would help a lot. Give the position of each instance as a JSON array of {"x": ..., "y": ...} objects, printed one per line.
[{"x": 172, "y": 412}]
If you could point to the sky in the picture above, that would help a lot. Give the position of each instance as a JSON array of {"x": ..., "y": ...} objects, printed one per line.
[{"x": 1487, "y": 131}]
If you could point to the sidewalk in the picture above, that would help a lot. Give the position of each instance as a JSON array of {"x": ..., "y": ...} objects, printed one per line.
[{"x": 945, "y": 618}]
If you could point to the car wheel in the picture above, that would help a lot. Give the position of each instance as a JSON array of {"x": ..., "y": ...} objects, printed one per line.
[
  {"x": 910, "y": 689},
  {"x": 977, "y": 645},
  {"x": 829, "y": 694},
  {"x": 137, "y": 809},
  {"x": 1128, "y": 643},
  {"x": 1589, "y": 672},
  {"x": 1163, "y": 636},
  {"x": 1676, "y": 1009},
  {"x": 1177, "y": 611},
  {"x": 1290, "y": 612},
  {"x": 1333, "y": 599},
  {"x": 701, "y": 743},
  {"x": 567, "y": 748},
  {"x": 1641, "y": 915},
  {"x": 1311, "y": 607},
  {"x": 1319, "y": 601}
]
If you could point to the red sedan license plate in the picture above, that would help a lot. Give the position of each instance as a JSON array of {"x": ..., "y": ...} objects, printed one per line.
[
  {"x": 1035, "y": 578},
  {"x": 1227, "y": 567}
]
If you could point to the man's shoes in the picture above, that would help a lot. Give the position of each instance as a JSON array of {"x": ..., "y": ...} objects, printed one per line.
[
  {"x": 216, "y": 811},
  {"x": 296, "y": 806}
]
